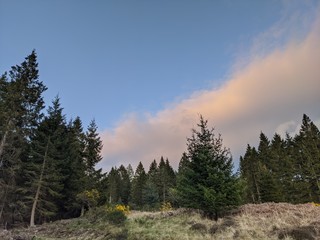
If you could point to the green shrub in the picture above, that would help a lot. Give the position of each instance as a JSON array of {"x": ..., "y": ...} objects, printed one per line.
[{"x": 116, "y": 217}]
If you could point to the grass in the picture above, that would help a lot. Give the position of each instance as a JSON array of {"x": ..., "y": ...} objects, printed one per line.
[{"x": 252, "y": 221}]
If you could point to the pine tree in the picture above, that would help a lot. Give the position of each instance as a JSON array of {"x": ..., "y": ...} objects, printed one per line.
[
  {"x": 270, "y": 188},
  {"x": 207, "y": 182},
  {"x": 250, "y": 169},
  {"x": 150, "y": 195},
  {"x": 138, "y": 183},
  {"x": 74, "y": 169},
  {"x": 21, "y": 103},
  {"x": 151, "y": 189},
  {"x": 166, "y": 179},
  {"x": 308, "y": 158},
  {"x": 125, "y": 185},
  {"x": 113, "y": 185},
  {"x": 42, "y": 172},
  {"x": 92, "y": 155}
]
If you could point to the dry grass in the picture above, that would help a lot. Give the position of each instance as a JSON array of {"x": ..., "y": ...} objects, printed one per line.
[{"x": 252, "y": 221}]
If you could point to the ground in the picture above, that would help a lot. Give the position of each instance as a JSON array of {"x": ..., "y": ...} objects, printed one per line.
[{"x": 250, "y": 221}]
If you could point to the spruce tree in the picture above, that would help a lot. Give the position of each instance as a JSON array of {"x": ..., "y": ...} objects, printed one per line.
[
  {"x": 42, "y": 172},
  {"x": 21, "y": 103},
  {"x": 113, "y": 185},
  {"x": 74, "y": 169},
  {"x": 207, "y": 182},
  {"x": 92, "y": 155},
  {"x": 307, "y": 144},
  {"x": 250, "y": 169},
  {"x": 125, "y": 185},
  {"x": 151, "y": 189},
  {"x": 138, "y": 183}
]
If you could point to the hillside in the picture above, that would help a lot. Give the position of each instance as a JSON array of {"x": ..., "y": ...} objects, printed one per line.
[{"x": 251, "y": 221}]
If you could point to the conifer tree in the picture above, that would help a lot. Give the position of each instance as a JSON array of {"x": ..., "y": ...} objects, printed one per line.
[
  {"x": 207, "y": 182},
  {"x": 92, "y": 155},
  {"x": 151, "y": 189},
  {"x": 113, "y": 185},
  {"x": 308, "y": 158},
  {"x": 125, "y": 185},
  {"x": 42, "y": 172},
  {"x": 250, "y": 170},
  {"x": 74, "y": 169},
  {"x": 138, "y": 183},
  {"x": 21, "y": 103},
  {"x": 270, "y": 188}
]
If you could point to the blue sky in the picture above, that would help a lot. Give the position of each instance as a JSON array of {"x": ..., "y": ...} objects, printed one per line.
[
  {"x": 128, "y": 63},
  {"x": 106, "y": 58}
]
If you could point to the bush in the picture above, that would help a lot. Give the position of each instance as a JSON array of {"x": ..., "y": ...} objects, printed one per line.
[
  {"x": 165, "y": 207},
  {"x": 116, "y": 217}
]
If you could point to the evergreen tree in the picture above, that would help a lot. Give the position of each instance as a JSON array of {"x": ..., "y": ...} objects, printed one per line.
[
  {"x": 308, "y": 158},
  {"x": 153, "y": 173},
  {"x": 207, "y": 181},
  {"x": 125, "y": 185},
  {"x": 138, "y": 183},
  {"x": 42, "y": 172},
  {"x": 113, "y": 185},
  {"x": 92, "y": 155},
  {"x": 150, "y": 196},
  {"x": 166, "y": 180},
  {"x": 151, "y": 189},
  {"x": 21, "y": 103},
  {"x": 270, "y": 188},
  {"x": 74, "y": 169}
]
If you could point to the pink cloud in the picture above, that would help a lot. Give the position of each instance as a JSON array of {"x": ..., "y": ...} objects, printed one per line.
[{"x": 269, "y": 94}]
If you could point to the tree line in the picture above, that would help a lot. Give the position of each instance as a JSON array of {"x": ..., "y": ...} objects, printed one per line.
[
  {"x": 48, "y": 164},
  {"x": 284, "y": 170},
  {"x": 45, "y": 160}
]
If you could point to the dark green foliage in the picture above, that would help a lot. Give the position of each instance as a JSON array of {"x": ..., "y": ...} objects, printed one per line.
[
  {"x": 44, "y": 163},
  {"x": 125, "y": 185},
  {"x": 46, "y": 145},
  {"x": 114, "y": 186},
  {"x": 138, "y": 184},
  {"x": 150, "y": 195},
  {"x": 92, "y": 155},
  {"x": 284, "y": 170},
  {"x": 21, "y": 103},
  {"x": 207, "y": 181},
  {"x": 116, "y": 217}
]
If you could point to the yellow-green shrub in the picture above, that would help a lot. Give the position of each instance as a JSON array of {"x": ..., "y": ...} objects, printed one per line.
[
  {"x": 316, "y": 204},
  {"x": 165, "y": 206}
]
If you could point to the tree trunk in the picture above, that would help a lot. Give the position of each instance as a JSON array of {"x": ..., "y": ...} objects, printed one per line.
[
  {"x": 4, "y": 140},
  {"x": 2, "y": 143},
  {"x": 36, "y": 199},
  {"x": 82, "y": 210},
  {"x": 4, "y": 201}
]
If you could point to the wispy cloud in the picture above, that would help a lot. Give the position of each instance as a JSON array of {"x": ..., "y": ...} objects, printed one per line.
[{"x": 269, "y": 94}]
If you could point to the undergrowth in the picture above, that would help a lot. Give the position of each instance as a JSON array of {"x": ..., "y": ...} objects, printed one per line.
[{"x": 252, "y": 221}]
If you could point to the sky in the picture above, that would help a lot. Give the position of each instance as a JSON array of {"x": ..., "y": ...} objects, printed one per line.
[{"x": 145, "y": 70}]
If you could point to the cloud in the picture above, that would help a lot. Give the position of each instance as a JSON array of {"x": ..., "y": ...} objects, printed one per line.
[{"x": 269, "y": 94}]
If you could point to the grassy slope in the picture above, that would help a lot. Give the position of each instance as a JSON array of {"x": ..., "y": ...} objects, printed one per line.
[{"x": 262, "y": 221}]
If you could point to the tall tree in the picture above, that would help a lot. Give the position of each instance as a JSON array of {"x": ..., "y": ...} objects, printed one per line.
[
  {"x": 42, "y": 171},
  {"x": 74, "y": 169},
  {"x": 138, "y": 183},
  {"x": 125, "y": 185},
  {"x": 166, "y": 177},
  {"x": 21, "y": 103},
  {"x": 207, "y": 181},
  {"x": 308, "y": 157},
  {"x": 114, "y": 185},
  {"x": 92, "y": 155}
]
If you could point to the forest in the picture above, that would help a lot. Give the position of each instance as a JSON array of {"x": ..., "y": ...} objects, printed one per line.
[{"x": 48, "y": 164}]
